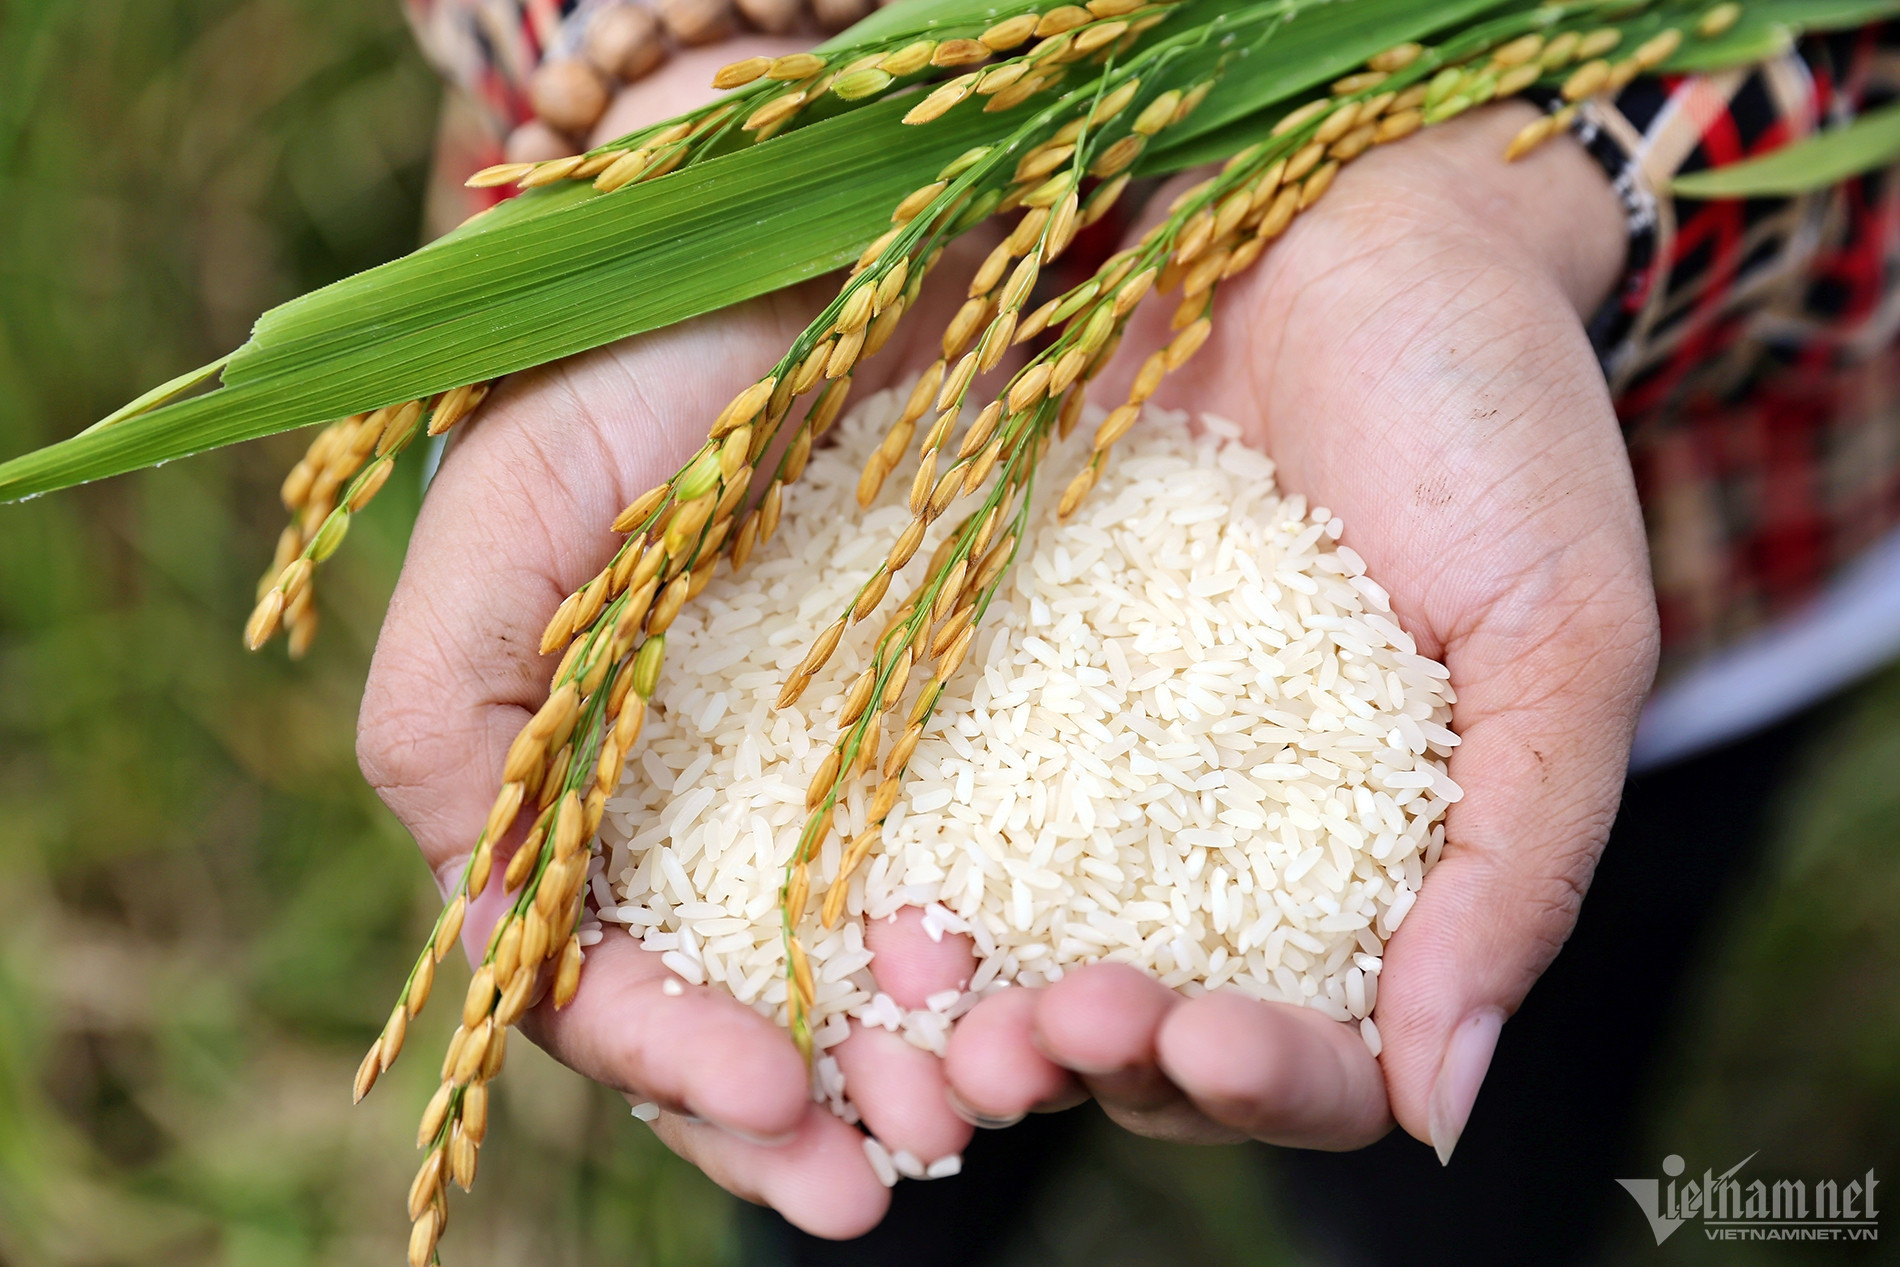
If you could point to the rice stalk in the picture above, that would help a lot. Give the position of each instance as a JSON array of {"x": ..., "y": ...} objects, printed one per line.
[{"x": 344, "y": 468}]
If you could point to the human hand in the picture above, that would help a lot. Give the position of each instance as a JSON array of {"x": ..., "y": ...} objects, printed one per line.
[
  {"x": 516, "y": 519},
  {"x": 1411, "y": 354}
]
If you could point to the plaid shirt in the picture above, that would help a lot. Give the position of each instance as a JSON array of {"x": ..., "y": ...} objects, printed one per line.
[
  {"x": 488, "y": 48},
  {"x": 1750, "y": 347}
]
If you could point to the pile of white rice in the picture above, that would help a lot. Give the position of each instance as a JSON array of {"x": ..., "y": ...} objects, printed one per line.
[{"x": 1191, "y": 737}]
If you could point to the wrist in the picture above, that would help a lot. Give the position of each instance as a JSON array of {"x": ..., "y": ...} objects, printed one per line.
[
  {"x": 1554, "y": 206},
  {"x": 1551, "y": 215}
]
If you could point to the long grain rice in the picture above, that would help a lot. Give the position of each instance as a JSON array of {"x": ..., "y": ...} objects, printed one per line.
[{"x": 1192, "y": 738}]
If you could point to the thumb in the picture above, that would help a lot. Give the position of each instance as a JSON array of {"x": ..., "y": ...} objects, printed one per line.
[{"x": 1550, "y": 687}]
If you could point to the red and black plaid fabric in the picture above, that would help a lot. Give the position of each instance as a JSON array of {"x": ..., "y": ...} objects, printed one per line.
[
  {"x": 1751, "y": 349},
  {"x": 488, "y": 48}
]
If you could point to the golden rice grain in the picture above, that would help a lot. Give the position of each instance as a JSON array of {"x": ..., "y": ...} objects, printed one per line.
[
  {"x": 265, "y": 619},
  {"x": 1187, "y": 343},
  {"x": 1398, "y": 125},
  {"x": 567, "y": 977},
  {"x": 959, "y": 53},
  {"x": 433, "y": 1118},
  {"x": 1353, "y": 85},
  {"x": 1396, "y": 58},
  {"x": 1010, "y": 32},
  {"x": 1597, "y": 43},
  {"x": 910, "y": 59},
  {"x": 422, "y": 1239},
  {"x": 1303, "y": 161},
  {"x": 1718, "y": 20},
  {"x": 462, "y": 1158},
  {"x": 548, "y": 173},
  {"x": 1657, "y": 48},
  {"x": 1077, "y": 489},
  {"x": 1299, "y": 118},
  {"x": 1517, "y": 52},
  {"x": 739, "y": 74},
  {"x": 776, "y": 110},
  {"x": 367, "y": 1072},
  {"x": 1317, "y": 184},
  {"x": 422, "y": 1188},
  {"x": 449, "y": 930},
  {"x": 795, "y": 66},
  {"x": 1099, "y": 35},
  {"x": 1518, "y": 79},
  {"x": 1587, "y": 80},
  {"x": 1118, "y": 157}
]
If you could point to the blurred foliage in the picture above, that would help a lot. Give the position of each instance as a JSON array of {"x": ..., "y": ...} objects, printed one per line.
[
  {"x": 1125, "y": 1201},
  {"x": 1792, "y": 1052},
  {"x": 204, "y": 913}
]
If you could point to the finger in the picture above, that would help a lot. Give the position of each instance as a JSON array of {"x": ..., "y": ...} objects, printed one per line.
[
  {"x": 820, "y": 1181},
  {"x": 897, "y": 1087},
  {"x": 696, "y": 1050},
  {"x": 1542, "y": 769},
  {"x": 1283, "y": 1074},
  {"x": 910, "y": 965},
  {"x": 1102, "y": 1022},
  {"x": 899, "y": 1092},
  {"x": 995, "y": 1073}
]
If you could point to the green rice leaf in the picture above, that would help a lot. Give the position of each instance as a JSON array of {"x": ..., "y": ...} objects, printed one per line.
[
  {"x": 563, "y": 269},
  {"x": 543, "y": 283},
  {"x": 922, "y": 18},
  {"x": 1816, "y": 162},
  {"x": 1314, "y": 45},
  {"x": 1281, "y": 67},
  {"x": 1769, "y": 28}
]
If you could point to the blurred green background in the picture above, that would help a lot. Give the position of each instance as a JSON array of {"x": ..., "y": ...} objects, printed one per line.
[{"x": 203, "y": 913}]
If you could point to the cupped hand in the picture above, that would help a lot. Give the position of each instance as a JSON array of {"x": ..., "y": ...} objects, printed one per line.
[
  {"x": 517, "y": 518},
  {"x": 1411, "y": 354}
]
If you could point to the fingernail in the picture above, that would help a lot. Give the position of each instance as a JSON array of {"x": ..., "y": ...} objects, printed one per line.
[
  {"x": 763, "y": 1141},
  {"x": 1467, "y": 1057},
  {"x": 1076, "y": 1094},
  {"x": 1093, "y": 1071},
  {"x": 448, "y": 876},
  {"x": 978, "y": 1120}
]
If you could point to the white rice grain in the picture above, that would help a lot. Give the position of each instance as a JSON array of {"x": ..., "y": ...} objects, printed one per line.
[{"x": 1189, "y": 739}]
